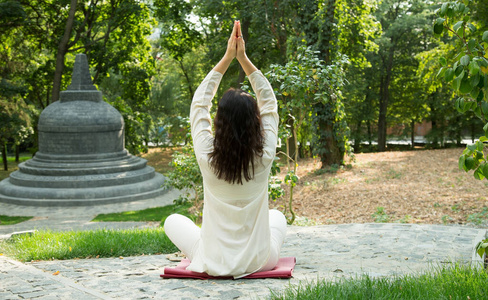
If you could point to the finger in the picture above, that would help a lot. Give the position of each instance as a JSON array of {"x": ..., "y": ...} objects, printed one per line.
[
  {"x": 239, "y": 32},
  {"x": 234, "y": 29}
]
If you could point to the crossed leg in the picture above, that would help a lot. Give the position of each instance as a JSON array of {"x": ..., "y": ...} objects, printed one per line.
[{"x": 185, "y": 235}]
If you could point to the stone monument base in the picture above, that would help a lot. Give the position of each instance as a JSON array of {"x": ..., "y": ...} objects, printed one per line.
[{"x": 78, "y": 180}]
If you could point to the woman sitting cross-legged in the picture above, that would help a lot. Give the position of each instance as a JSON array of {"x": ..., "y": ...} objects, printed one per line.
[{"x": 239, "y": 234}]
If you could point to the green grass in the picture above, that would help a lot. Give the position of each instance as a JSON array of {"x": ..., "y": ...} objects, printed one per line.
[
  {"x": 147, "y": 215},
  {"x": 380, "y": 216},
  {"x": 46, "y": 245},
  {"x": 479, "y": 218},
  {"x": 7, "y": 220},
  {"x": 458, "y": 282}
]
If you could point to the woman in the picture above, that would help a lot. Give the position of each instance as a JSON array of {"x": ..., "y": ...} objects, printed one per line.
[{"x": 239, "y": 234}]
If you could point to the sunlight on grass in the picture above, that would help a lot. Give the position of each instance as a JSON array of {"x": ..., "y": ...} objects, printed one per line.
[
  {"x": 46, "y": 245},
  {"x": 457, "y": 282},
  {"x": 155, "y": 214},
  {"x": 7, "y": 220}
]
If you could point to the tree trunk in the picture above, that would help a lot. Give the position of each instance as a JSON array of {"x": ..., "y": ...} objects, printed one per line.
[
  {"x": 382, "y": 115},
  {"x": 385, "y": 97},
  {"x": 292, "y": 140},
  {"x": 245, "y": 35},
  {"x": 190, "y": 89},
  {"x": 472, "y": 132},
  {"x": 434, "y": 132},
  {"x": 4, "y": 157},
  {"x": 331, "y": 153},
  {"x": 278, "y": 28},
  {"x": 458, "y": 132},
  {"x": 62, "y": 49},
  {"x": 357, "y": 136},
  {"x": 17, "y": 150},
  {"x": 370, "y": 135},
  {"x": 412, "y": 133}
]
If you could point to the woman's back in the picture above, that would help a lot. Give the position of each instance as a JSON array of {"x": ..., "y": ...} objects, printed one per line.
[
  {"x": 239, "y": 235},
  {"x": 235, "y": 231}
]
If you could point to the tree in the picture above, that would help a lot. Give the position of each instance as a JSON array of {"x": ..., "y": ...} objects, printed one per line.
[
  {"x": 467, "y": 71},
  {"x": 48, "y": 34},
  {"x": 14, "y": 122},
  {"x": 403, "y": 24},
  {"x": 178, "y": 35},
  {"x": 319, "y": 22},
  {"x": 266, "y": 26},
  {"x": 302, "y": 83}
]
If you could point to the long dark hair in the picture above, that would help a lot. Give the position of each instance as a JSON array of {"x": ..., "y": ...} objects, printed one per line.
[{"x": 239, "y": 137}]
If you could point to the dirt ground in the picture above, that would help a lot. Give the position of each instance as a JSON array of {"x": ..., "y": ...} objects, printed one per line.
[
  {"x": 411, "y": 186},
  {"x": 423, "y": 186}
]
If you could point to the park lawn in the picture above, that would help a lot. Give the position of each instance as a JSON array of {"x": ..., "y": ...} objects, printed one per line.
[
  {"x": 7, "y": 220},
  {"x": 48, "y": 245},
  {"x": 155, "y": 214},
  {"x": 457, "y": 282}
]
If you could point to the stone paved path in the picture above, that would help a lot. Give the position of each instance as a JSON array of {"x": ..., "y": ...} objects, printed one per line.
[{"x": 328, "y": 251}]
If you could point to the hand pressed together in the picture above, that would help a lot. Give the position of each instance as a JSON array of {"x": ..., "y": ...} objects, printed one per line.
[
  {"x": 236, "y": 48},
  {"x": 235, "y": 45}
]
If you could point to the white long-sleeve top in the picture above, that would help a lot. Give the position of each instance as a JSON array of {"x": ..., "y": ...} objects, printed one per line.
[{"x": 235, "y": 234}]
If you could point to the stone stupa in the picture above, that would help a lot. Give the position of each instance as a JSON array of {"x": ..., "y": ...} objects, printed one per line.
[{"x": 82, "y": 159}]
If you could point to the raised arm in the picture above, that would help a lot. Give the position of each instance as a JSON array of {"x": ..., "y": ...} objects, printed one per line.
[
  {"x": 201, "y": 123},
  {"x": 245, "y": 62},
  {"x": 230, "y": 53}
]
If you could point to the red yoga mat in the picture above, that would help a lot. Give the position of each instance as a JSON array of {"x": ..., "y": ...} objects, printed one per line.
[{"x": 283, "y": 269}]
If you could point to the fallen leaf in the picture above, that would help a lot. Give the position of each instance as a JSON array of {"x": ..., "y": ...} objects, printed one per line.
[
  {"x": 56, "y": 273},
  {"x": 121, "y": 257}
]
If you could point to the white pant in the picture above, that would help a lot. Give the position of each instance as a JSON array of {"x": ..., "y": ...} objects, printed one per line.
[{"x": 185, "y": 234}]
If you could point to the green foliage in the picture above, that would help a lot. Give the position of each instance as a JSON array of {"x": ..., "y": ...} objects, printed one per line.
[
  {"x": 380, "y": 216},
  {"x": 478, "y": 218},
  {"x": 113, "y": 34},
  {"x": 405, "y": 219},
  {"x": 15, "y": 120},
  {"x": 445, "y": 219},
  {"x": 47, "y": 245},
  {"x": 332, "y": 169},
  {"x": 134, "y": 122},
  {"x": 482, "y": 248},
  {"x": 291, "y": 179},
  {"x": 447, "y": 282},
  {"x": 266, "y": 27},
  {"x": 178, "y": 34},
  {"x": 307, "y": 84},
  {"x": 275, "y": 190},
  {"x": 186, "y": 176},
  {"x": 467, "y": 73}
]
